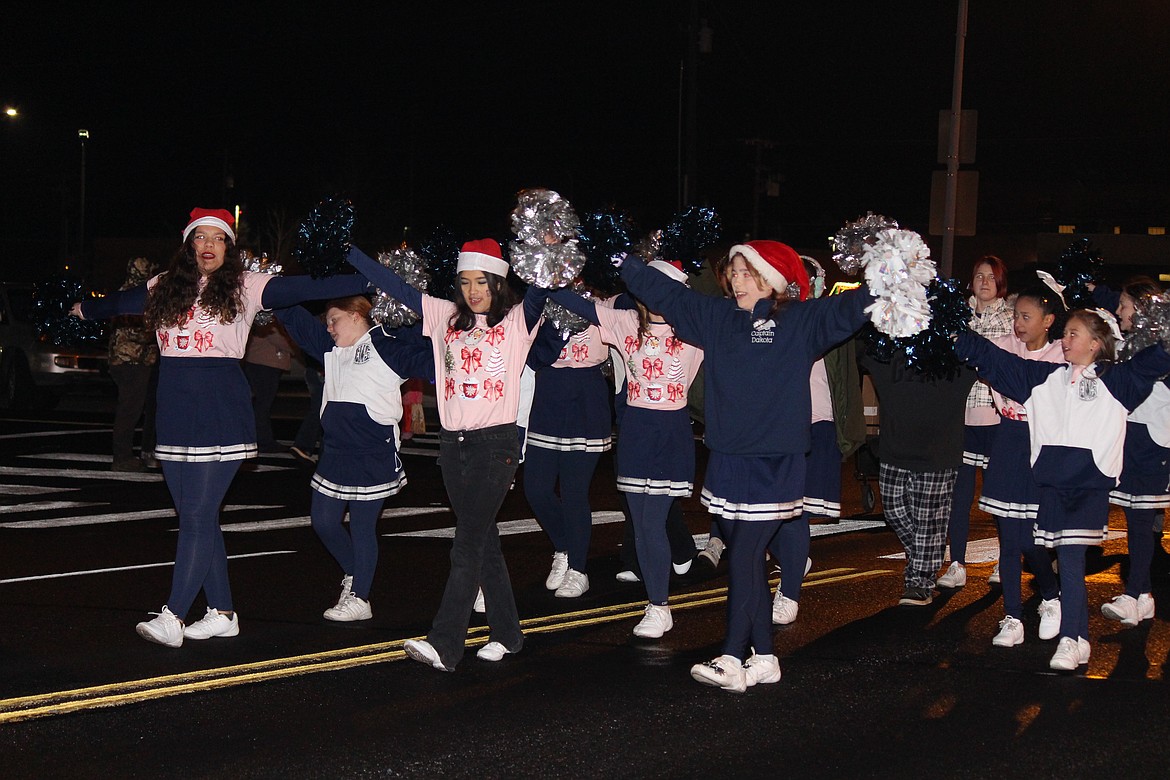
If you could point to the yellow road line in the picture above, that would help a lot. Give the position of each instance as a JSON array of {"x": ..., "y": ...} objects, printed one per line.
[{"x": 134, "y": 691}]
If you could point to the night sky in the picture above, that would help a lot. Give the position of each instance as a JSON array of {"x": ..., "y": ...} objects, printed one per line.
[{"x": 428, "y": 113}]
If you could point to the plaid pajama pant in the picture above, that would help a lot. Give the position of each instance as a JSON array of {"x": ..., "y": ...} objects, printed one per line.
[{"x": 917, "y": 506}]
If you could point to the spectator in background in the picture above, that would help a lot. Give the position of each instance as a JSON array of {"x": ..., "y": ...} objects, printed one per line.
[
  {"x": 268, "y": 356},
  {"x": 309, "y": 434},
  {"x": 133, "y": 367}
]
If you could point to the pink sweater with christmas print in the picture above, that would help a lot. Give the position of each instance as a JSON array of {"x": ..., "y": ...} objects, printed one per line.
[{"x": 659, "y": 368}]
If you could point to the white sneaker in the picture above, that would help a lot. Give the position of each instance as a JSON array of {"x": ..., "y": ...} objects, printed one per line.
[
  {"x": 724, "y": 672},
  {"x": 1049, "y": 610},
  {"x": 784, "y": 609},
  {"x": 1011, "y": 633},
  {"x": 214, "y": 623},
  {"x": 627, "y": 576},
  {"x": 1128, "y": 610},
  {"x": 1070, "y": 653},
  {"x": 492, "y": 651},
  {"x": 422, "y": 651},
  {"x": 350, "y": 609},
  {"x": 166, "y": 629},
  {"x": 656, "y": 622},
  {"x": 480, "y": 605},
  {"x": 713, "y": 551},
  {"x": 682, "y": 568},
  {"x": 994, "y": 578},
  {"x": 761, "y": 669},
  {"x": 556, "y": 575},
  {"x": 955, "y": 576},
  {"x": 574, "y": 584}
]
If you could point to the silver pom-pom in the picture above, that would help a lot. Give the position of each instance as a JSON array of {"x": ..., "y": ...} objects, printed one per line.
[
  {"x": 261, "y": 265},
  {"x": 851, "y": 241},
  {"x": 545, "y": 251},
  {"x": 1150, "y": 325},
  {"x": 567, "y": 323},
  {"x": 388, "y": 311}
]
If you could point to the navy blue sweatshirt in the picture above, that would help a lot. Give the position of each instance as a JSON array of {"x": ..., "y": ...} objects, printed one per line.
[{"x": 756, "y": 394}]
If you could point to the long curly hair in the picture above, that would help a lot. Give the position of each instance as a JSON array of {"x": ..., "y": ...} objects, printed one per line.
[
  {"x": 178, "y": 288},
  {"x": 503, "y": 299}
]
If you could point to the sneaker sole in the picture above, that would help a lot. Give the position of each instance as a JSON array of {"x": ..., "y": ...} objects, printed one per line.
[
  {"x": 560, "y": 595},
  {"x": 149, "y": 637},
  {"x": 346, "y": 618},
  {"x": 998, "y": 643},
  {"x": 234, "y": 631},
  {"x": 423, "y": 658},
  {"x": 716, "y": 683},
  {"x": 915, "y": 602}
]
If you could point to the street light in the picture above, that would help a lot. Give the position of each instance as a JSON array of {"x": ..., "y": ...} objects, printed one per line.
[{"x": 12, "y": 112}]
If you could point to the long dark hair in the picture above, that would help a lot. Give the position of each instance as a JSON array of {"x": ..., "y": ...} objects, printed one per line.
[
  {"x": 178, "y": 288},
  {"x": 503, "y": 299}
]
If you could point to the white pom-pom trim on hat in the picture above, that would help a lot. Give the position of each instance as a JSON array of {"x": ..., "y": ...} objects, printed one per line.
[
  {"x": 677, "y": 274},
  {"x": 478, "y": 261},
  {"x": 765, "y": 269},
  {"x": 213, "y": 222}
]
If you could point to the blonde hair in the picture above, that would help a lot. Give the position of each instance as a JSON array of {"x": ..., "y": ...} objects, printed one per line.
[{"x": 1098, "y": 329}]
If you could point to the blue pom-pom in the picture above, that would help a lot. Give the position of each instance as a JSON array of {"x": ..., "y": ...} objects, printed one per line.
[
  {"x": 323, "y": 239},
  {"x": 440, "y": 251},
  {"x": 931, "y": 352},
  {"x": 51, "y": 304},
  {"x": 688, "y": 234},
  {"x": 602, "y": 235},
  {"x": 1079, "y": 266}
]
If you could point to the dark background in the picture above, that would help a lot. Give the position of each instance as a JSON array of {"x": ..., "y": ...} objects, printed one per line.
[{"x": 427, "y": 113}]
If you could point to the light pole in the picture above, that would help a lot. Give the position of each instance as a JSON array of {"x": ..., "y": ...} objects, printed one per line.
[{"x": 83, "y": 136}]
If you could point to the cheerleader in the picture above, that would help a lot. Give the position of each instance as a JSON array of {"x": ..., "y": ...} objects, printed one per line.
[
  {"x": 991, "y": 317},
  {"x": 361, "y": 407},
  {"x": 569, "y": 426},
  {"x": 202, "y": 309},
  {"x": 480, "y": 340},
  {"x": 1009, "y": 489},
  {"x": 655, "y": 459},
  {"x": 760, "y": 346},
  {"x": 1076, "y": 417},
  {"x": 1142, "y": 491}
]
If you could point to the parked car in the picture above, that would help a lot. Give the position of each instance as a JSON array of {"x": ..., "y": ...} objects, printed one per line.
[{"x": 27, "y": 361}]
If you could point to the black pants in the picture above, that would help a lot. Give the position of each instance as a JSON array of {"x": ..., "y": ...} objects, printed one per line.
[
  {"x": 478, "y": 467},
  {"x": 136, "y": 384}
]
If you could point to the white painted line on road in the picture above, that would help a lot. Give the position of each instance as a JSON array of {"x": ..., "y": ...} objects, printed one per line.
[
  {"x": 39, "y": 506},
  {"x": 102, "y": 429},
  {"x": 79, "y": 457},
  {"x": 86, "y": 572},
  {"x": 68, "y": 522},
  {"x": 987, "y": 550},
  {"x": 121, "y": 476},
  {"x": 32, "y": 490},
  {"x": 300, "y": 522},
  {"x": 846, "y": 526},
  {"x": 510, "y": 527}
]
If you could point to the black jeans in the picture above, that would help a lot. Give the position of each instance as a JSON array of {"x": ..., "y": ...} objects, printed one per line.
[
  {"x": 135, "y": 396},
  {"x": 478, "y": 467}
]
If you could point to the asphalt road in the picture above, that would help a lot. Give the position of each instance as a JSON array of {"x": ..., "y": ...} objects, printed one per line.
[{"x": 869, "y": 689}]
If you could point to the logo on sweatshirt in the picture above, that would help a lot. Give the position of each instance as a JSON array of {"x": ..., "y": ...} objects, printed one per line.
[
  {"x": 762, "y": 331},
  {"x": 361, "y": 354},
  {"x": 1087, "y": 389}
]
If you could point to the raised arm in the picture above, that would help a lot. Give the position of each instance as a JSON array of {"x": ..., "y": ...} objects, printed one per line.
[
  {"x": 534, "y": 305},
  {"x": 309, "y": 334},
  {"x": 686, "y": 310},
  {"x": 284, "y": 291},
  {"x": 132, "y": 301},
  {"x": 546, "y": 347},
  {"x": 385, "y": 279},
  {"x": 1131, "y": 382},
  {"x": 1011, "y": 375},
  {"x": 576, "y": 304},
  {"x": 409, "y": 358}
]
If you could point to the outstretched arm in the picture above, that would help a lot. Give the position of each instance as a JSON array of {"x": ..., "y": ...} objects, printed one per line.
[
  {"x": 576, "y": 304},
  {"x": 309, "y": 334},
  {"x": 385, "y": 279},
  {"x": 534, "y": 305},
  {"x": 132, "y": 301},
  {"x": 409, "y": 358},
  {"x": 1009, "y": 374},
  {"x": 283, "y": 291}
]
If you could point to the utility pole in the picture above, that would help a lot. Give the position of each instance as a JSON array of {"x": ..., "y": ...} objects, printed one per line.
[
  {"x": 952, "y": 190},
  {"x": 83, "y": 136}
]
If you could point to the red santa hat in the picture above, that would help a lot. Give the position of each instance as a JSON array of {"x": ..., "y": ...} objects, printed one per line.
[
  {"x": 777, "y": 264},
  {"x": 483, "y": 254},
  {"x": 672, "y": 268},
  {"x": 220, "y": 218}
]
